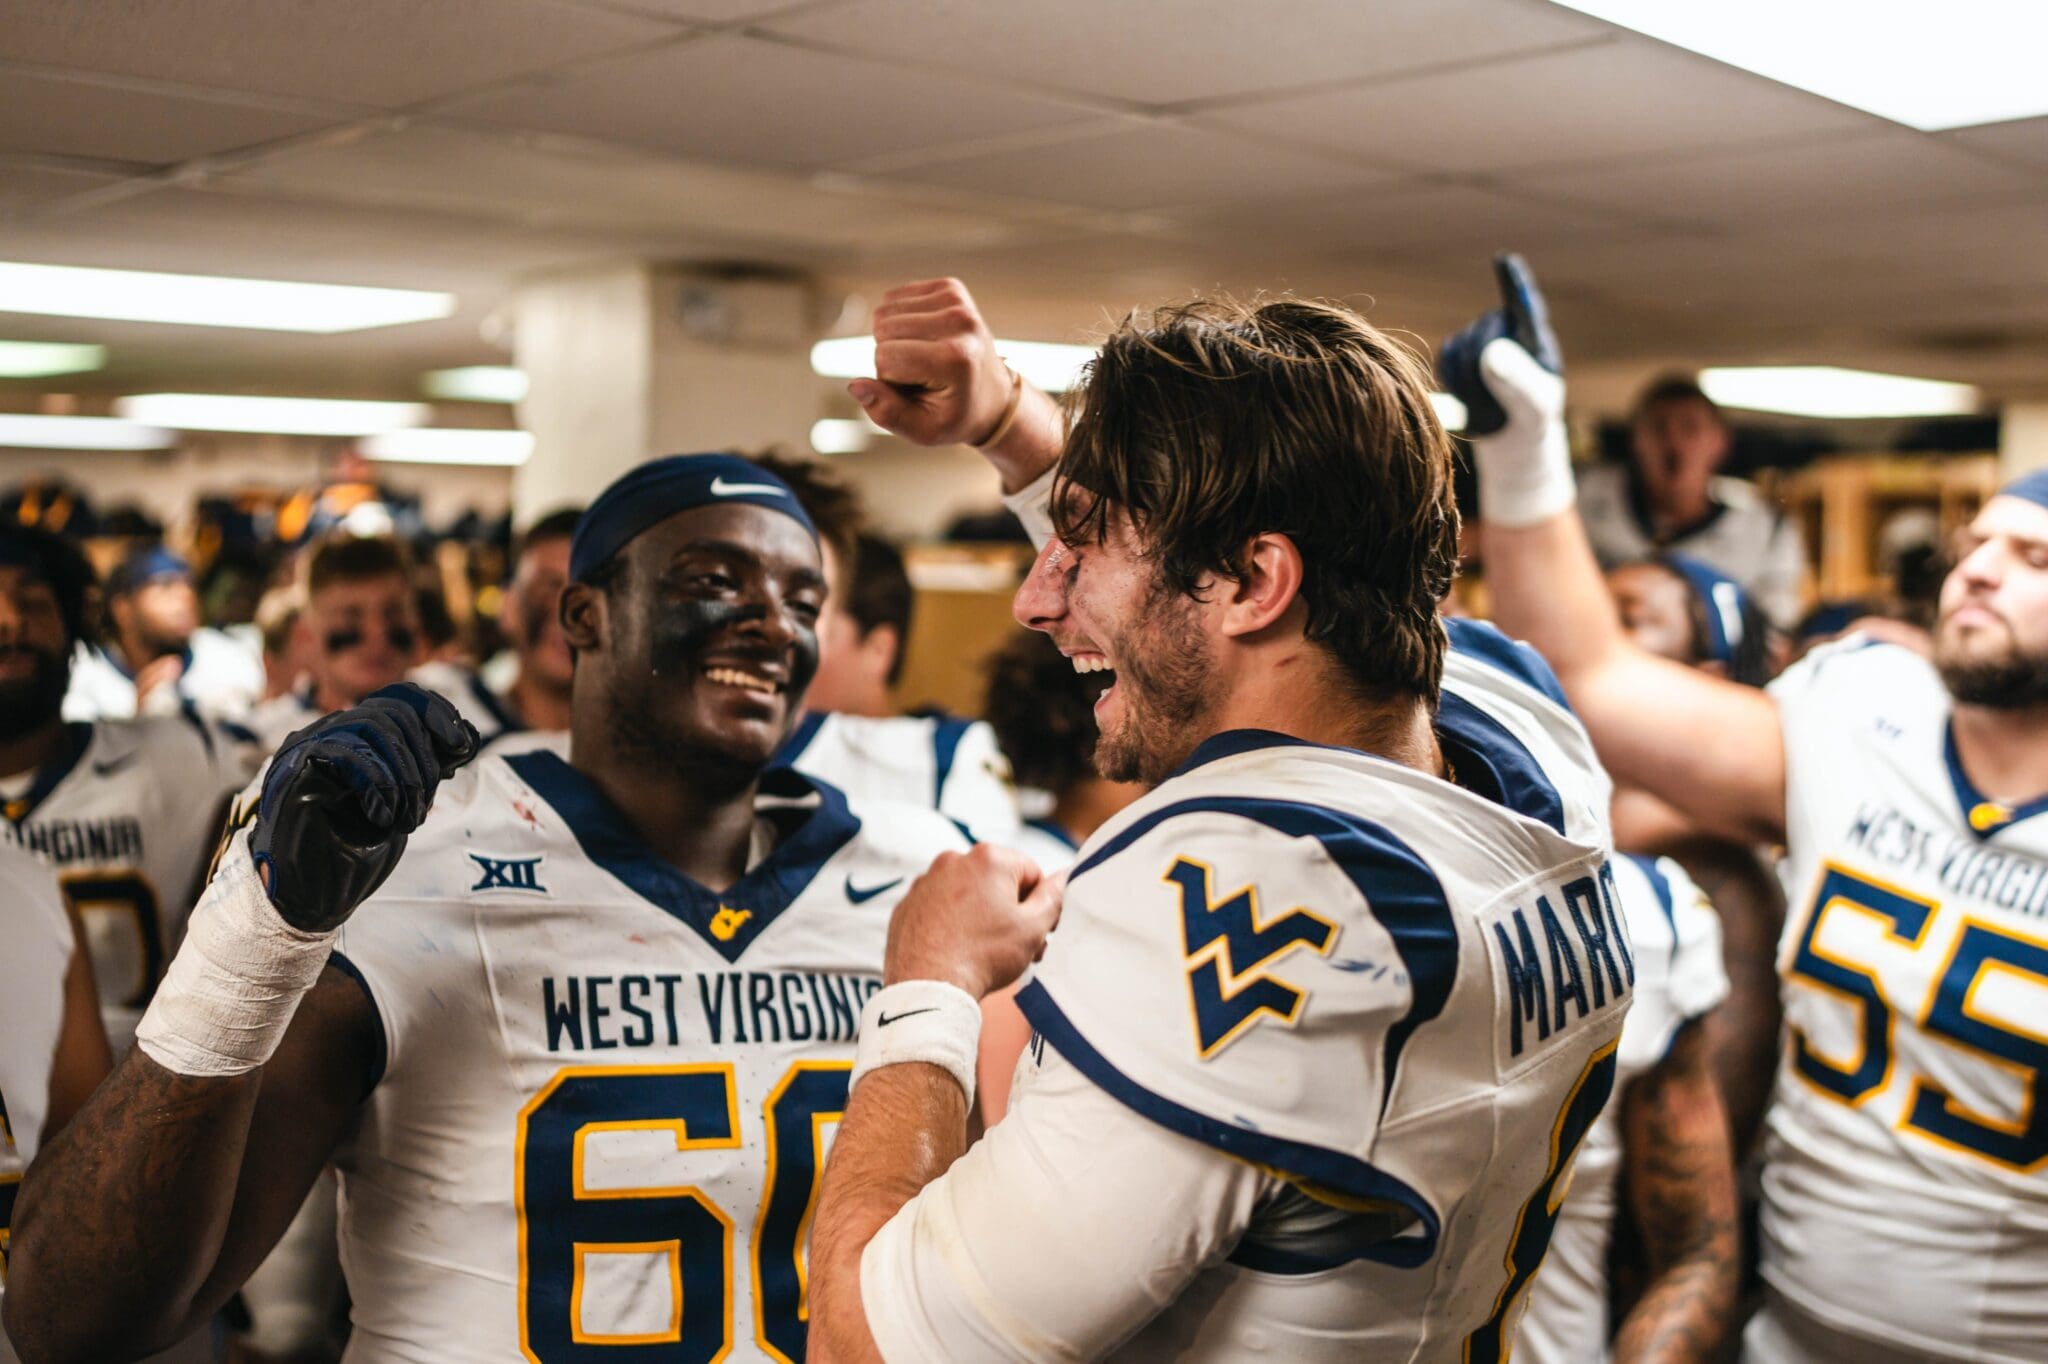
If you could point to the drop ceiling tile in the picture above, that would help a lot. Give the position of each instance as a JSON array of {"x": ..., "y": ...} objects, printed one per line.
[
  {"x": 736, "y": 99},
  {"x": 716, "y": 11},
  {"x": 1625, "y": 99},
  {"x": 376, "y": 52},
  {"x": 548, "y": 182},
  {"x": 1140, "y": 166},
  {"x": 1171, "y": 51},
  {"x": 2024, "y": 139},
  {"x": 1857, "y": 173},
  {"x": 87, "y": 118},
  {"x": 1405, "y": 218},
  {"x": 24, "y": 187}
]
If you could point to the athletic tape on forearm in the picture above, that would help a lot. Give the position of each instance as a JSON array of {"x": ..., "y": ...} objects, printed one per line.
[
  {"x": 1032, "y": 504},
  {"x": 1525, "y": 470},
  {"x": 232, "y": 989},
  {"x": 920, "y": 1020}
]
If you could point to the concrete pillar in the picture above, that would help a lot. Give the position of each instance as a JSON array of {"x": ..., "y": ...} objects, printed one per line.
[
  {"x": 625, "y": 362},
  {"x": 2022, "y": 439}
]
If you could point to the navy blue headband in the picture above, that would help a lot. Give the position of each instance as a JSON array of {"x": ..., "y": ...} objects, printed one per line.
[
  {"x": 146, "y": 567},
  {"x": 641, "y": 497},
  {"x": 1723, "y": 599},
  {"x": 2033, "y": 487}
]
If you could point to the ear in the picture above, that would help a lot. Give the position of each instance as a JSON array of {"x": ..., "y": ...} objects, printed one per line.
[
  {"x": 1269, "y": 589},
  {"x": 581, "y": 609},
  {"x": 878, "y": 649}
]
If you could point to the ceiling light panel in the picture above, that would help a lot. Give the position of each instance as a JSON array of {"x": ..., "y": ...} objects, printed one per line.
[
  {"x": 275, "y": 416},
  {"x": 211, "y": 300},
  {"x": 1825, "y": 391}
]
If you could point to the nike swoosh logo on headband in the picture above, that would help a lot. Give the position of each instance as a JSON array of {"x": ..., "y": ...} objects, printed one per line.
[{"x": 721, "y": 488}]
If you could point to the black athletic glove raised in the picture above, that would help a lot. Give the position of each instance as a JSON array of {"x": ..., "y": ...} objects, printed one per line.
[
  {"x": 1523, "y": 318},
  {"x": 343, "y": 795}
]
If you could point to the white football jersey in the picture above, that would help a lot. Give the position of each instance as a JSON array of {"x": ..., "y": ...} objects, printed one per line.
[
  {"x": 1400, "y": 994},
  {"x": 1906, "y": 1165},
  {"x": 222, "y": 675},
  {"x": 1679, "y": 978},
  {"x": 606, "y": 1091},
  {"x": 1745, "y": 537},
  {"x": 465, "y": 690},
  {"x": 35, "y": 951},
  {"x": 275, "y": 720},
  {"x": 127, "y": 816},
  {"x": 940, "y": 762}
]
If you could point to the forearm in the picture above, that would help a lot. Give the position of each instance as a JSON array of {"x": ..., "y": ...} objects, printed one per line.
[
  {"x": 904, "y": 1126},
  {"x": 1681, "y": 1180},
  {"x": 119, "y": 1224},
  {"x": 1545, "y": 586},
  {"x": 1032, "y": 444}
]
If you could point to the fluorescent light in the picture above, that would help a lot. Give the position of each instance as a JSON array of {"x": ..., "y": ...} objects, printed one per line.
[
  {"x": 1824, "y": 391},
  {"x": 1449, "y": 411},
  {"x": 476, "y": 384},
  {"x": 280, "y": 416},
  {"x": 431, "y": 445},
  {"x": 38, "y": 359},
  {"x": 82, "y": 433},
  {"x": 211, "y": 300},
  {"x": 1928, "y": 66},
  {"x": 1050, "y": 365},
  {"x": 842, "y": 435}
]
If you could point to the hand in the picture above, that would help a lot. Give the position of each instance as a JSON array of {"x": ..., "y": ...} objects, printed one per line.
[
  {"x": 938, "y": 379},
  {"x": 974, "y": 920},
  {"x": 343, "y": 795},
  {"x": 1507, "y": 369}
]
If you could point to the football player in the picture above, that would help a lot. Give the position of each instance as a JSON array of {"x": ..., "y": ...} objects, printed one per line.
[
  {"x": 849, "y": 739},
  {"x": 1905, "y": 1180},
  {"x": 125, "y": 811},
  {"x": 1331, "y": 1008},
  {"x": 55, "y": 1050},
  {"x": 1663, "y": 1142},
  {"x": 158, "y": 657},
  {"x": 578, "y": 1057}
]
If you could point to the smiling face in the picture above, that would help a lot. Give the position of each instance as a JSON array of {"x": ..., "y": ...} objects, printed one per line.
[
  {"x": 1108, "y": 609},
  {"x": 703, "y": 637},
  {"x": 364, "y": 634},
  {"x": 1991, "y": 640}
]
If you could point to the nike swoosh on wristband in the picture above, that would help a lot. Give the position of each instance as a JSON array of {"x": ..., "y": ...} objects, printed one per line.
[
  {"x": 108, "y": 767},
  {"x": 884, "y": 1020},
  {"x": 858, "y": 895},
  {"x": 720, "y": 488}
]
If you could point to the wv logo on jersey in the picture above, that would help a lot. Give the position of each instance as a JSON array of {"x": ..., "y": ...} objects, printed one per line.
[
  {"x": 727, "y": 922},
  {"x": 1226, "y": 944},
  {"x": 508, "y": 873}
]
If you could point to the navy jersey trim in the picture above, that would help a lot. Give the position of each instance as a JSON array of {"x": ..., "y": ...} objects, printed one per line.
[
  {"x": 800, "y": 738},
  {"x": 1477, "y": 639},
  {"x": 1982, "y": 815},
  {"x": 493, "y": 705},
  {"x": 1660, "y": 886},
  {"x": 382, "y": 1055},
  {"x": 1232, "y": 742},
  {"x": 1051, "y": 829},
  {"x": 1490, "y": 761},
  {"x": 1398, "y": 888},
  {"x": 947, "y": 732},
  {"x": 77, "y": 738},
  {"x": 812, "y": 824},
  {"x": 1345, "y": 1174}
]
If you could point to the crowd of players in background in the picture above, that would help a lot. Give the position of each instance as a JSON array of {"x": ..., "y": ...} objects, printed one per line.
[{"x": 143, "y": 680}]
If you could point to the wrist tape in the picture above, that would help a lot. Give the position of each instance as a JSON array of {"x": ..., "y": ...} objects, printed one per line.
[
  {"x": 1032, "y": 504},
  {"x": 920, "y": 1020},
  {"x": 232, "y": 989},
  {"x": 1525, "y": 469}
]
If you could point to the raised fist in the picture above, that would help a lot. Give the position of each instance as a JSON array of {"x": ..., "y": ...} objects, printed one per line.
[
  {"x": 343, "y": 795},
  {"x": 1491, "y": 387},
  {"x": 938, "y": 378}
]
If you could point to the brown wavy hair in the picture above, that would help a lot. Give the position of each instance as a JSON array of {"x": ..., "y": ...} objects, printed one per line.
[{"x": 1214, "y": 421}]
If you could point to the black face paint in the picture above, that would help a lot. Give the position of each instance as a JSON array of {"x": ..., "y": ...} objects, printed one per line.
[
  {"x": 37, "y": 700},
  {"x": 341, "y": 641},
  {"x": 682, "y": 631},
  {"x": 401, "y": 637}
]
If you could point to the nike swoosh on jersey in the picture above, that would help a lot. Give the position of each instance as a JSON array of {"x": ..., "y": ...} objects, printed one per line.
[
  {"x": 107, "y": 767},
  {"x": 858, "y": 895},
  {"x": 720, "y": 488}
]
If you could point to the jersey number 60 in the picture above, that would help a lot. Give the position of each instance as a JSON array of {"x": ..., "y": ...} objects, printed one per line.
[{"x": 563, "y": 1222}]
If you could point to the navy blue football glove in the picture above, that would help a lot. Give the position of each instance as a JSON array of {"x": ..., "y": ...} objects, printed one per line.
[
  {"x": 343, "y": 795},
  {"x": 1522, "y": 318}
]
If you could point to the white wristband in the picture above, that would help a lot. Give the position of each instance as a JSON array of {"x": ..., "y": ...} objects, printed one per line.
[
  {"x": 1525, "y": 469},
  {"x": 1032, "y": 504},
  {"x": 920, "y": 1020},
  {"x": 236, "y": 982}
]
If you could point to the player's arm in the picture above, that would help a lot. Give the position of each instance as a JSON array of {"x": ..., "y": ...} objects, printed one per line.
[
  {"x": 1680, "y": 1175},
  {"x": 968, "y": 926},
  {"x": 1710, "y": 747},
  {"x": 190, "y": 1161},
  {"x": 1742, "y": 1033},
  {"x": 939, "y": 381},
  {"x": 82, "y": 1058}
]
